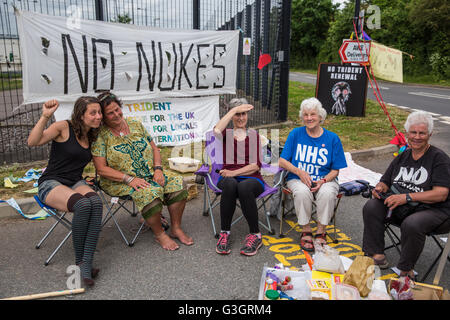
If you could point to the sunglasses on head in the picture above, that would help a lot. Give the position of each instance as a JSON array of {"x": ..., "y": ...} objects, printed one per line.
[{"x": 109, "y": 95}]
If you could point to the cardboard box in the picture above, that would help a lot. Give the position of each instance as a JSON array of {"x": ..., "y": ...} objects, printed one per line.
[
  {"x": 183, "y": 164},
  {"x": 423, "y": 291}
]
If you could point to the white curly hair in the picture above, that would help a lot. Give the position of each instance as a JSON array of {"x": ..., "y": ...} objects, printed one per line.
[{"x": 313, "y": 104}]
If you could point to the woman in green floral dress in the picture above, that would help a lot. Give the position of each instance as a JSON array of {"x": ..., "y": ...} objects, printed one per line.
[{"x": 129, "y": 163}]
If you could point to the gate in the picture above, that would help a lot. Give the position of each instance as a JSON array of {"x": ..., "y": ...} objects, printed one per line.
[{"x": 266, "y": 23}]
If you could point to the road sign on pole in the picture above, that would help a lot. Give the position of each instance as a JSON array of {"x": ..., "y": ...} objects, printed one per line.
[{"x": 351, "y": 52}]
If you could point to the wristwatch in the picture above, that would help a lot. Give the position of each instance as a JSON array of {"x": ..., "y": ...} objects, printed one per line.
[
  {"x": 408, "y": 198},
  {"x": 157, "y": 167}
]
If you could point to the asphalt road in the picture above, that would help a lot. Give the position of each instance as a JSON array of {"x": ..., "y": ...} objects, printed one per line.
[
  {"x": 429, "y": 98},
  {"x": 145, "y": 271}
]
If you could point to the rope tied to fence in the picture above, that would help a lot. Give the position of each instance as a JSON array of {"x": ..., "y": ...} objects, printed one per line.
[{"x": 401, "y": 141}]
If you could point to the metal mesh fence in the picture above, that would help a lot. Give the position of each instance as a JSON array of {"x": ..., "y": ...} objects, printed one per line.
[{"x": 259, "y": 20}]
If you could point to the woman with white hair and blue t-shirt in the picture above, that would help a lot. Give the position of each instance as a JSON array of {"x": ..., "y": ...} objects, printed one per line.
[{"x": 313, "y": 156}]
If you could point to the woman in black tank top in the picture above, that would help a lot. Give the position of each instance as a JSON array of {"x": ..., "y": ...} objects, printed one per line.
[{"x": 61, "y": 185}]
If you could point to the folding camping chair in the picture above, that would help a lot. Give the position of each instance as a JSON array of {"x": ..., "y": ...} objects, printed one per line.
[
  {"x": 60, "y": 218},
  {"x": 389, "y": 230},
  {"x": 395, "y": 240},
  {"x": 117, "y": 203},
  {"x": 208, "y": 175},
  {"x": 286, "y": 192}
]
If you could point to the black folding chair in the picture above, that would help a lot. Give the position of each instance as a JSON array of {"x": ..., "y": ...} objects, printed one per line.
[
  {"x": 117, "y": 203},
  {"x": 395, "y": 240},
  {"x": 389, "y": 230}
]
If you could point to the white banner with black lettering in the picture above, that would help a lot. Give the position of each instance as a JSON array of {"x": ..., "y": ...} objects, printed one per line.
[
  {"x": 64, "y": 58},
  {"x": 171, "y": 122}
]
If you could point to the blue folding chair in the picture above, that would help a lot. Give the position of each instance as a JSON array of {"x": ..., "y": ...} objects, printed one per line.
[
  {"x": 208, "y": 175},
  {"x": 60, "y": 218}
]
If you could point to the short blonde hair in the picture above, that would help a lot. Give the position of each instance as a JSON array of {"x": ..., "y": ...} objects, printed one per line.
[
  {"x": 313, "y": 104},
  {"x": 419, "y": 117}
]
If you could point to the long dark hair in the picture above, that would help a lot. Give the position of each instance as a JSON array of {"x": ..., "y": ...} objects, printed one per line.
[{"x": 79, "y": 109}]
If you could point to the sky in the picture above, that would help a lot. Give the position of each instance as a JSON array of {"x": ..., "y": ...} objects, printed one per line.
[{"x": 340, "y": 1}]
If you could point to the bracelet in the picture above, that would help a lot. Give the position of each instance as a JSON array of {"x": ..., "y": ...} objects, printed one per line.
[
  {"x": 45, "y": 117},
  {"x": 157, "y": 168},
  {"x": 324, "y": 180},
  {"x": 130, "y": 178},
  {"x": 127, "y": 179}
]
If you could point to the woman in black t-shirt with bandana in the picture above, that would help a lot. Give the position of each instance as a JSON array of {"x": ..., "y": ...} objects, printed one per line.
[{"x": 423, "y": 171}]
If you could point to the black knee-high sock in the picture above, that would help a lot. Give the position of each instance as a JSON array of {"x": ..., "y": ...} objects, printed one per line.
[
  {"x": 81, "y": 208},
  {"x": 93, "y": 232}
]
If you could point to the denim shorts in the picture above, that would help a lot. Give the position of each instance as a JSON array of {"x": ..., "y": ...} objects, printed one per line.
[{"x": 48, "y": 185}]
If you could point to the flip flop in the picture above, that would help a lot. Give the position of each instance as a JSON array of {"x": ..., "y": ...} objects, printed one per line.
[{"x": 304, "y": 242}]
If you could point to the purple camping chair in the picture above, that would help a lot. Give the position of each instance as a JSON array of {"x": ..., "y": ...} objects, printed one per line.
[{"x": 209, "y": 175}]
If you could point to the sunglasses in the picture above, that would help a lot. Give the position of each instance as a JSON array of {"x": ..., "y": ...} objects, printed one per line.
[{"x": 109, "y": 95}]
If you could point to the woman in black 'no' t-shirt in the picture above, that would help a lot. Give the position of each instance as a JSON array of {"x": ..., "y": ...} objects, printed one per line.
[{"x": 424, "y": 171}]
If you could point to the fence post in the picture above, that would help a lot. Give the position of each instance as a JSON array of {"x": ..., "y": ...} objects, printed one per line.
[
  {"x": 266, "y": 35},
  {"x": 99, "y": 10},
  {"x": 196, "y": 14},
  {"x": 283, "y": 57},
  {"x": 257, "y": 49},
  {"x": 239, "y": 55},
  {"x": 248, "y": 34}
]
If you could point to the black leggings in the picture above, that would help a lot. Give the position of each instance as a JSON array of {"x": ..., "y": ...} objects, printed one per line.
[
  {"x": 247, "y": 191},
  {"x": 414, "y": 229}
]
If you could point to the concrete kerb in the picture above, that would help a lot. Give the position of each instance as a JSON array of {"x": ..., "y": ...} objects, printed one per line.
[{"x": 29, "y": 205}]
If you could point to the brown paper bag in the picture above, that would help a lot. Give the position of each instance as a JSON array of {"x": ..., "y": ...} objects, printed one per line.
[{"x": 361, "y": 274}]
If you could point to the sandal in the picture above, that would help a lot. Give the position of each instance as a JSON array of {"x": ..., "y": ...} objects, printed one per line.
[
  {"x": 381, "y": 263},
  {"x": 321, "y": 236},
  {"x": 411, "y": 277},
  {"x": 304, "y": 242}
]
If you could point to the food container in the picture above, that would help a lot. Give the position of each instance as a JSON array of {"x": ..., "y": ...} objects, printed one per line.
[
  {"x": 346, "y": 292},
  {"x": 183, "y": 164}
]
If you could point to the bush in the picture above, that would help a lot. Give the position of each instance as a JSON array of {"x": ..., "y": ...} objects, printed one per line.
[{"x": 440, "y": 66}]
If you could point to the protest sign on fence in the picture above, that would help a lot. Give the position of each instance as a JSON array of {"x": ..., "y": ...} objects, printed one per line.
[
  {"x": 64, "y": 60},
  {"x": 170, "y": 121}
]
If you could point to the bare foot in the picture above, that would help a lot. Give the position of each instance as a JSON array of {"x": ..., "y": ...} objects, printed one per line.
[
  {"x": 164, "y": 240},
  {"x": 179, "y": 234}
]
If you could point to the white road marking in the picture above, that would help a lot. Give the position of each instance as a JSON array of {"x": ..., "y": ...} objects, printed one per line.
[
  {"x": 430, "y": 95},
  {"x": 314, "y": 78},
  {"x": 444, "y": 118}
]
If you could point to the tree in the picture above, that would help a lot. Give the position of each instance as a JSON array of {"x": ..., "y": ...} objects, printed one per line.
[
  {"x": 418, "y": 27},
  {"x": 309, "y": 25}
]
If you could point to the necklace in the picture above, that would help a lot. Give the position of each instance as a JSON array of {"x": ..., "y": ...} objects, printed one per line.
[{"x": 121, "y": 131}]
